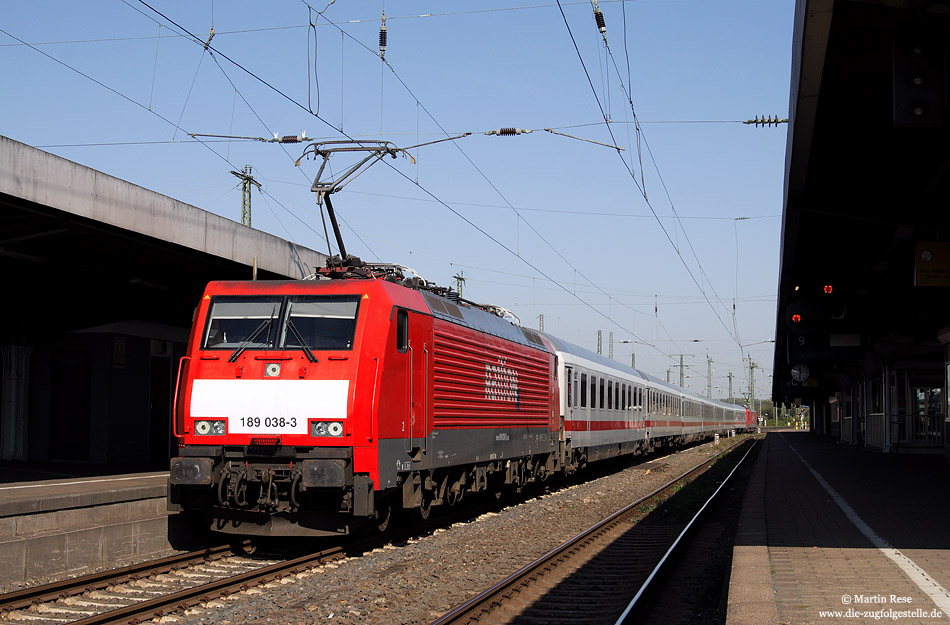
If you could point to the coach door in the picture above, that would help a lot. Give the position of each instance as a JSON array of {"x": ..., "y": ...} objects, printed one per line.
[{"x": 419, "y": 364}]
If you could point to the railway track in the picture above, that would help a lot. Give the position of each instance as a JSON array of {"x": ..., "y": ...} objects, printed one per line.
[
  {"x": 151, "y": 589},
  {"x": 157, "y": 588},
  {"x": 172, "y": 585},
  {"x": 604, "y": 574}
]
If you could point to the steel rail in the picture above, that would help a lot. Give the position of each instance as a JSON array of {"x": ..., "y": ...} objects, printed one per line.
[
  {"x": 183, "y": 599},
  {"x": 644, "y": 587},
  {"x": 25, "y": 597},
  {"x": 476, "y": 604},
  {"x": 189, "y": 597}
]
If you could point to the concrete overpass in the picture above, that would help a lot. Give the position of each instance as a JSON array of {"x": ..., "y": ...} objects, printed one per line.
[
  {"x": 100, "y": 279},
  {"x": 864, "y": 290}
]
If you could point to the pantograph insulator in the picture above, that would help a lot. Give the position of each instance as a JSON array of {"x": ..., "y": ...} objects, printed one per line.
[{"x": 507, "y": 132}]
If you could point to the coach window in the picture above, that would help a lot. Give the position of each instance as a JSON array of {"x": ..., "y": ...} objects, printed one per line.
[
  {"x": 570, "y": 394},
  {"x": 402, "y": 330},
  {"x": 617, "y": 395},
  {"x": 583, "y": 390},
  {"x": 574, "y": 387},
  {"x": 610, "y": 394},
  {"x": 600, "y": 402},
  {"x": 593, "y": 392},
  {"x": 623, "y": 397}
]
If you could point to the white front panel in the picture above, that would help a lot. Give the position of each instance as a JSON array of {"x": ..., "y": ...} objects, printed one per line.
[{"x": 269, "y": 406}]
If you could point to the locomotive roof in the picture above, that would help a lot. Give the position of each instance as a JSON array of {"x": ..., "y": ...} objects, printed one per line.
[{"x": 481, "y": 320}]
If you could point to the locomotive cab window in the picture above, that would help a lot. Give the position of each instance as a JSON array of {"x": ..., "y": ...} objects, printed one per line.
[
  {"x": 275, "y": 322},
  {"x": 244, "y": 321},
  {"x": 326, "y": 322}
]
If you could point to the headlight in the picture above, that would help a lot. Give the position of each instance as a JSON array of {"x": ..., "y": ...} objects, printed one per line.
[
  {"x": 209, "y": 428},
  {"x": 326, "y": 428}
]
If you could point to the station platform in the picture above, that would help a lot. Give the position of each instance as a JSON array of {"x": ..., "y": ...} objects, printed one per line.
[
  {"x": 837, "y": 534},
  {"x": 77, "y": 523}
]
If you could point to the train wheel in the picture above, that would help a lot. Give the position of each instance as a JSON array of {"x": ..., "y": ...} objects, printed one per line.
[
  {"x": 425, "y": 508},
  {"x": 383, "y": 514}
]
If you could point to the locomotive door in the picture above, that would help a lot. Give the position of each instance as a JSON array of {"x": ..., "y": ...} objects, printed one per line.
[{"x": 419, "y": 362}]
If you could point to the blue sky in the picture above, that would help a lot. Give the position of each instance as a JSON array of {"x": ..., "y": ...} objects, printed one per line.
[{"x": 558, "y": 226}]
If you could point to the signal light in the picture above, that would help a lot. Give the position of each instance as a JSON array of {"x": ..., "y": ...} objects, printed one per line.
[
  {"x": 796, "y": 318},
  {"x": 828, "y": 288}
]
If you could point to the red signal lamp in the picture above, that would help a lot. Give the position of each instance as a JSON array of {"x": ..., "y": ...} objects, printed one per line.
[
  {"x": 796, "y": 318},
  {"x": 828, "y": 288}
]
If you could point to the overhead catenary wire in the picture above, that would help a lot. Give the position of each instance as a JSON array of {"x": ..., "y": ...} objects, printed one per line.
[
  {"x": 114, "y": 91},
  {"x": 491, "y": 184},
  {"x": 216, "y": 52},
  {"x": 151, "y": 111},
  {"x": 144, "y": 107},
  {"x": 764, "y": 121},
  {"x": 640, "y": 136},
  {"x": 603, "y": 32},
  {"x": 633, "y": 176}
]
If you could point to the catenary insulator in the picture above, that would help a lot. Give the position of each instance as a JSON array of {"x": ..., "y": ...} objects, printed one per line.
[
  {"x": 508, "y": 132},
  {"x": 599, "y": 18},
  {"x": 382, "y": 36}
]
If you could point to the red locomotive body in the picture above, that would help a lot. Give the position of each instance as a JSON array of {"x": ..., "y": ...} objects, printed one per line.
[
  {"x": 310, "y": 407},
  {"x": 751, "y": 419}
]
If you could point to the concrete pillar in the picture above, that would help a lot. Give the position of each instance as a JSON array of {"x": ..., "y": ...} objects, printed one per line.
[{"x": 15, "y": 408}]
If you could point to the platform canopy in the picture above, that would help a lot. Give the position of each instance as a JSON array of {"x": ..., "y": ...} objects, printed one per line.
[
  {"x": 864, "y": 286},
  {"x": 80, "y": 248}
]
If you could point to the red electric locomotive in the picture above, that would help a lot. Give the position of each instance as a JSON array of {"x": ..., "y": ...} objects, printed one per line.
[
  {"x": 751, "y": 420},
  {"x": 311, "y": 407}
]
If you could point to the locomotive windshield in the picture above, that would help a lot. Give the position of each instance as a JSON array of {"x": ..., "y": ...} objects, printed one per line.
[
  {"x": 326, "y": 322},
  {"x": 247, "y": 322}
]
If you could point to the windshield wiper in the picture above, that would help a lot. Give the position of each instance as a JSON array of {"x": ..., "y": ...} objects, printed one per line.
[
  {"x": 247, "y": 342},
  {"x": 303, "y": 343}
]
